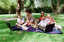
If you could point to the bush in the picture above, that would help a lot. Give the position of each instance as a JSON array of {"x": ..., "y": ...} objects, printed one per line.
[
  {"x": 6, "y": 11},
  {"x": 38, "y": 10},
  {"x": 3, "y": 11},
  {"x": 45, "y": 9},
  {"x": 13, "y": 10},
  {"x": 63, "y": 10}
]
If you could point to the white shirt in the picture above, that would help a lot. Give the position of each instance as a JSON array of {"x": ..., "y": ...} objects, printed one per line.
[
  {"x": 43, "y": 23},
  {"x": 47, "y": 19},
  {"x": 22, "y": 20}
]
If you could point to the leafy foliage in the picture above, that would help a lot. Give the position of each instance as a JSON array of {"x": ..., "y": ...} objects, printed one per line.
[
  {"x": 6, "y": 5},
  {"x": 27, "y": 3}
]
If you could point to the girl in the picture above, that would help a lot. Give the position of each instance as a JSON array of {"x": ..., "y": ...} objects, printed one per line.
[
  {"x": 53, "y": 21},
  {"x": 48, "y": 17},
  {"x": 42, "y": 24}
]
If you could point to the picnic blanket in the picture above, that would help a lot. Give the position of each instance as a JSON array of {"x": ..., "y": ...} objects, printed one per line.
[{"x": 31, "y": 29}]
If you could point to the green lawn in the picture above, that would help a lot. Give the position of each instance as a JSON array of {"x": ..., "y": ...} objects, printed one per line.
[{"x": 23, "y": 36}]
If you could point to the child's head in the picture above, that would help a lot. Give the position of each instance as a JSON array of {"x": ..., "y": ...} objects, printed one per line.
[
  {"x": 19, "y": 16},
  {"x": 42, "y": 13},
  {"x": 52, "y": 18},
  {"x": 28, "y": 12},
  {"x": 43, "y": 18},
  {"x": 48, "y": 15}
]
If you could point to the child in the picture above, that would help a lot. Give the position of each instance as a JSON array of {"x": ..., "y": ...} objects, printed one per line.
[
  {"x": 29, "y": 17},
  {"x": 53, "y": 21},
  {"x": 34, "y": 24},
  {"x": 48, "y": 17},
  {"x": 42, "y": 23},
  {"x": 42, "y": 15},
  {"x": 20, "y": 20}
]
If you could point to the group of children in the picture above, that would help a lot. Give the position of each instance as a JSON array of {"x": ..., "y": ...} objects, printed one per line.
[{"x": 31, "y": 21}]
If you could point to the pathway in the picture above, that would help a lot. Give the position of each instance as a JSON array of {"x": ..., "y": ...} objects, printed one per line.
[{"x": 7, "y": 19}]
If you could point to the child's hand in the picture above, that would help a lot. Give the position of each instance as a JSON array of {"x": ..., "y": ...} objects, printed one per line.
[
  {"x": 29, "y": 24},
  {"x": 36, "y": 20},
  {"x": 27, "y": 21}
]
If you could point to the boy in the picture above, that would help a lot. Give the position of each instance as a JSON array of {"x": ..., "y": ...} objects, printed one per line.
[
  {"x": 20, "y": 21},
  {"x": 42, "y": 15}
]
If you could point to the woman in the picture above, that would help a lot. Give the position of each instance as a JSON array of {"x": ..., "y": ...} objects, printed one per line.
[{"x": 29, "y": 17}]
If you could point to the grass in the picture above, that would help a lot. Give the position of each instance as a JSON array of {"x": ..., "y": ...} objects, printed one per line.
[{"x": 23, "y": 36}]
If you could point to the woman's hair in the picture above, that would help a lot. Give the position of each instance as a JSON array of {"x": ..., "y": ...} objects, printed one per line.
[{"x": 28, "y": 10}]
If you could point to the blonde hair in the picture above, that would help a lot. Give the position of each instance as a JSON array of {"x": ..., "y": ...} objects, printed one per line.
[
  {"x": 52, "y": 18},
  {"x": 49, "y": 15}
]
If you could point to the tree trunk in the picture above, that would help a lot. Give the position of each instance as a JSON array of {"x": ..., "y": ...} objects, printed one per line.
[
  {"x": 32, "y": 5},
  {"x": 18, "y": 9},
  {"x": 61, "y": 8},
  {"x": 58, "y": 7},
  {"x": 9, "y": 11},
  {"x": 22, "y": 5},
  {"x": 54, "y": 7}
]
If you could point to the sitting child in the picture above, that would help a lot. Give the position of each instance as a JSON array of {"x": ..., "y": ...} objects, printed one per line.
[
  {"x": 34, "y": 24},
  {"x": 48, "y": 17},
  {"x": 20, "y": 21},
  {"x": 53, "y": 21},
  {"x": 43, "y": 23},
  {"x": 42, "y": 15}
]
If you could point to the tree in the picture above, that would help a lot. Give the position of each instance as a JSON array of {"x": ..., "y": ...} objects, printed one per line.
[
  {"x": 18, "y": 9},
  {"x": 22, "y": 4},
  {"x": 57, "y": 7},
  {"x": 6, "y": 6},
  {"x": 54, "y": 6}
]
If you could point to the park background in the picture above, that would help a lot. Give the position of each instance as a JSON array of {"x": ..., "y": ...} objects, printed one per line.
[{"x": 9, "y": 9}]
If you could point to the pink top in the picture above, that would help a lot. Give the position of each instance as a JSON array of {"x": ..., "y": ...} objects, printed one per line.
[{"x": 51, "y": 21}]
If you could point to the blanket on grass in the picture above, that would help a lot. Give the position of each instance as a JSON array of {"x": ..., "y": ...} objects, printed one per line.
[{"x": 31, "y": 29}]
